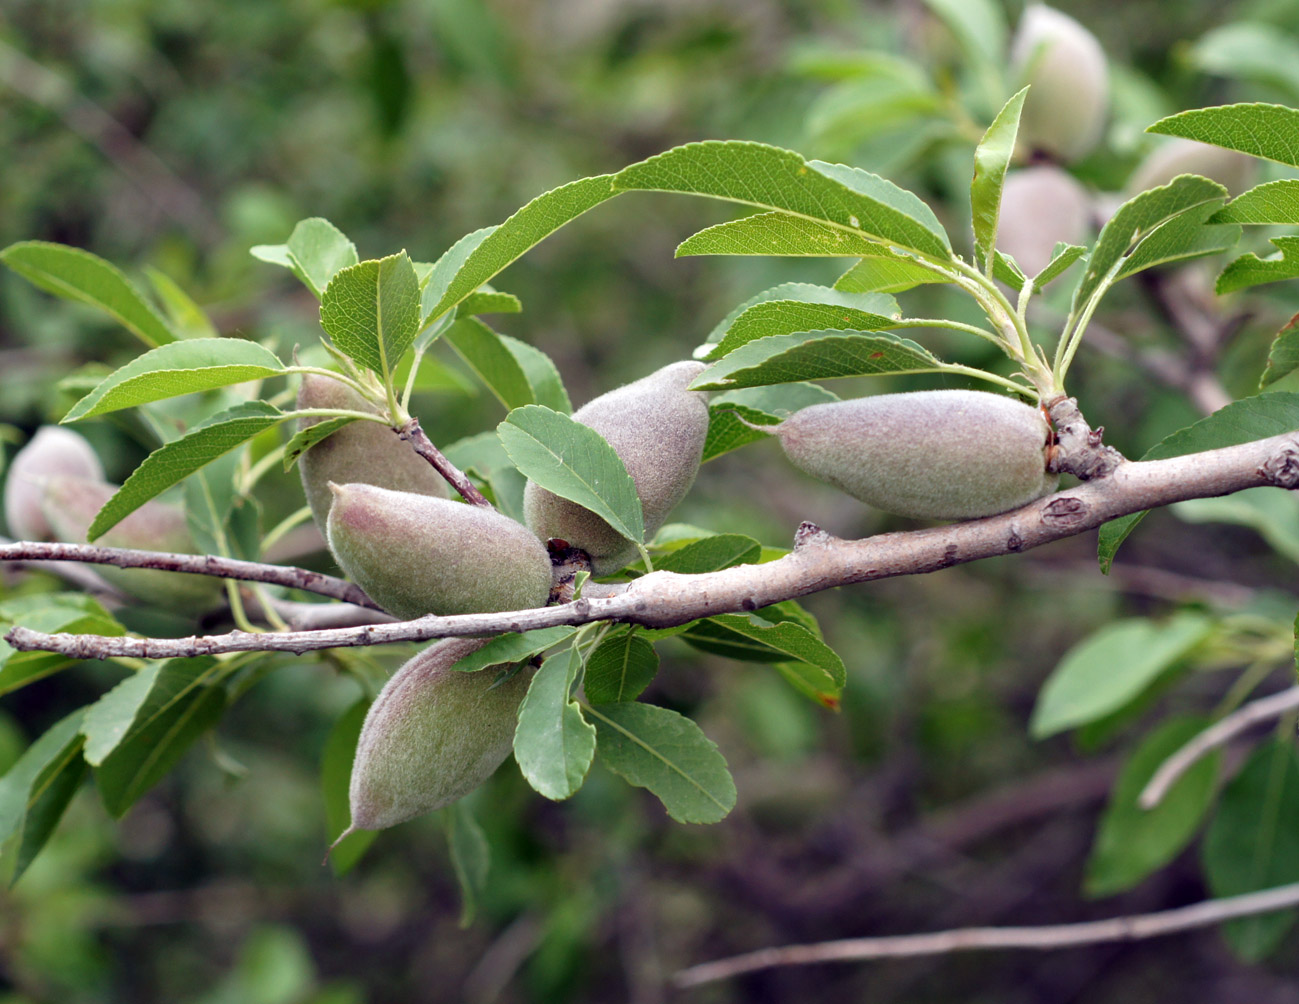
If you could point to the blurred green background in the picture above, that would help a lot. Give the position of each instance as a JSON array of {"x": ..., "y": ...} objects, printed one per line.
[{"x": 177, "y": 134}]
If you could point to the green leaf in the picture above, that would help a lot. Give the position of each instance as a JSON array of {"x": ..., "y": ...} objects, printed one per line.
[
  {"x": 51, "y": 792},
  {"x": 1006, "y": 269},
  {"x": 436, "y": 283},
  {"x": 886, "y": 273},
  {"x": 305, "y": 439},
  {"x": 318, "y": 251},
  {"x": 471, "y": 857},
  {"x": 543, "y": 376},
  {"x": 22, "y": 786},
  {"x": 484, "y": 257},
  {"x": 1062, "y": 258},
  {"x": 667, "y": 753},
  {"x": 1269, "y": 511},
  {"x": 620, "y": 668},
  {"x": 79, "y": 275},
  {"x": 1184, "y": 237},
  {"x": 1262, "y": 130},
  {"x": 335, "y": 783},
  {"x": 489, "y": 301},
  {"x": 1136, "y": 220},
  {"x": 177, "y": 368},
  {"x": 816, "y": 355},
  {"x": 1273, "y": 202},
  {"x": 109, "y": 718},
  {"x": 553, "y": 743},
  {"x": 509, "y": 648},
  {"x": 372, "y": 311},
  {"x": 181, "y": 704},
  {"x": 187, "y": 318},
  {"x": 1111, "y": 667},
  {"x": 575, "y": 463},
  {"x": 1249, "y": 51},
  {"x": 770, "y": 178},
  {"x": 801, "y": 292},
  {"x": 175, "y": 461},
  {"x": 784, "y": 317},
  {"x": 1253, "y": 844},
  {"x": 711, "y": 554},
  {"x": 778, "y": 234},
  {"x": 483, "y": 457},
  {"x": 1251, "y": 270},
  {"x": 49, "y": 613},
  {"x": 492, "y": 362},
  {"x": 1132, "y": 842},
  {"x": 979, "y": 26},
  {"x": 751, "y": 638},
  {"x": 1283, "y": 356},
  {"x": 758, "y": 406},
  {"x": 991, "y": 159},
  {"x": 1244, "y": 421}
]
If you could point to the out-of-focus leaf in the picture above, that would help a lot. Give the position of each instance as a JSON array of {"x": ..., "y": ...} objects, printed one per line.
[
  {"x": 1251, "y": 270},
  {"x": 1062, "y": 258},
  {"x": 1283, "y": 357},
  {"x": 37, "y": 788},
  {"x": 486, "y": 301},
  {"x": 471, "y": 857},
  {"x": 50, "y": 613},
  {"x": 1249, "y": 51},
  {"x": 543, "y": 376},
  {"x": 187, "y": 318},
  {"x": 335, "y": 782},
  {"x": 1273, "y": 512}
]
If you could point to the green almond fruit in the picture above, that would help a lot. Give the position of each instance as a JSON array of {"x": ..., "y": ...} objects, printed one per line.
[
  {"x": 657, "y": 427},
  {"x": 433, "y": 735},
  {"x": 70, "y": 505},
  {"x": 934, "y": 454},
  {"x": 52, "y": 451},
  {"x": 416, "y": 555},
  {"x": 363, "y": 453}
]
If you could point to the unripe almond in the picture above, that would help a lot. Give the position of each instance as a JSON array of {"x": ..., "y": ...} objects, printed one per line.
[
  {"x": 657, "y": 428},
  {"x": 1041, "y": 206},
  {"x": 1068, "y": 75},
  {"x": 364, "y": 453},
  {"x": 433, "y": 735},
  {"x": 416, "y": 555},
  {"x": 933, "y": 454},
  {"x": 52, "y": 451},
  {"x": 70, "y": 505},
  {"x": 1233, "y": 170}
]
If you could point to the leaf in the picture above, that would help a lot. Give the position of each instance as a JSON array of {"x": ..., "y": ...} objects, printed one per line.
[
  {"x": 335, "y": 783},
  {"x": 1249, "y": 51},
  {"x": 371, "y": 311},
  {"x": 108, "y": 719},
  {"x": 543, "y": 376},
  {"x": 177, "y": 368},
  {"x": 1134, "y": 221},
  {"x": 484, "y": 457},
  {"x": 484, "y": 257},
  {"x": 620, "y": 668},
  {"x": 751, "y": 638},
  {"x": 492, "y": 362},
  {"x": 816, "y": 355},
  {"x": 1244, "y": 421},
  {"x": 711, "y": 554},
  {"x": 1272, "y": 202},
  {"x": 887, "y": 273},
  {"x": 436, "y": 283},
  {"x": 20, "y": 788},
  {"x": 788, "y": 292},
  {"x": 79, "y": 275},
  {"x": 175, "y": 461},
  {"x": 1253, "y": 844},
  {"x": 575, "y": 463},
  {"x": 182, "y": 704},
  {"x": 471, "y": 857},
  {"x": 553, "y": 743},
  {"x": 1062, "y": 258},
  {"x": 778, "y": 234},
  {"x": 489, "y": 301},
  {"x": 1261, "y": 130},
  {"x": 305, "y": 439},
  {"x": 509, "y": 648},
  {"x": 758, "y": 406},
  {"x": 1111, "y": 667},
  {"x": 1182, "y": 238},
  {"x": 991, "y": 159},
  {"x": 51, "y": 792},
  {"x": 784, "y": 317},
  {"x": 1269, "y": 511},
  {"x": 667, "y": 753},
  {"x": 186, "y": 317},
  {"x": 770, "y": 178},
  {"x": 979, "y": 26},
  {"x": 1283, "y": 356},
  {"x": 1006, "y": 269},
  {"x": 1132, "y": 842},
  {"x": 318, "y": 251},
  {"x": 49, "y": 613},
  {"x": 1251, "y": 270}
]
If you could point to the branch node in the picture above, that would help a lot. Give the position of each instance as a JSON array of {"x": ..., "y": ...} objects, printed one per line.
[
  {"x": 1282, "y": 469},
  {"x": 809, "y": 534},
  {"x": 1078, "y": 448}
]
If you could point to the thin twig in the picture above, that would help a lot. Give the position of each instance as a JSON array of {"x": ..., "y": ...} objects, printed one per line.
[
  {"x": 419, "y": 441},
  {"x": 195, "y": 564},
  {"x": 1045, "y": 938},
  {"x": 819, "y": 561},
  {"x": 1218, "y": 734}
]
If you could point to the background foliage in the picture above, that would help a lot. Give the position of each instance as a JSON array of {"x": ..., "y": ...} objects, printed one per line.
[{"x": 173, "y": 136}]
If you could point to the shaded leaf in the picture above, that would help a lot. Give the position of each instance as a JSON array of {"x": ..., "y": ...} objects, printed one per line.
[
  {"x": 1269, "y": 511},
  {"x": 484, "y": 352},
  {"x": 50, "y": 613},
  {"x": 186, "y": 317},
  {"x": 20, "y": 788},
  {"x": 509, "y": 648},
  {"x": 471, "y": 857},
  {"x": 1262, "y": 130},
  {"x": 554, "y": 743},
  {"x": 1283, "y": 356},
  {"x": 1184, "y": 237},
  {"x": 778, "y": 234},
  {"x": 335, "y": 783},
  {"x": 547, "y": 385},
  {"x": 86, "y": 278},
  {"x": 801, "y": 292},
  {"x": 482, "y": 456},
  {"x": 886, "y": 273},
  {"x": 751, "y": 638},
  {"x": 620, "y": 668},
  {"x": 667, "y": 753},
  {"x": 1111, "y": 667},
  {"x": 711, "y": 554},
  {"x": 783, "y": 317},
  {"x": 305, "y": 439},
  {"x": 758, "y": 406},
  {"x": 372, "y": 311}
]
